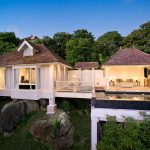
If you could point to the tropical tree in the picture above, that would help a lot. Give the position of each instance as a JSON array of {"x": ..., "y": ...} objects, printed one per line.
[
  {"x": 80, "y": 47},
  {"x": 60, "y": 39},
  {"x": 107, "y": 44},
  {"x": 49, "y": 42},
  {"x": 83, "y": 33},
  {"x": 8, "y": 42},
  {"x": 139, "y": 38}
]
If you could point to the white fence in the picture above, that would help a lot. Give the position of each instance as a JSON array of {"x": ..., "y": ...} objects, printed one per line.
[{"x": 73, "y": 86}]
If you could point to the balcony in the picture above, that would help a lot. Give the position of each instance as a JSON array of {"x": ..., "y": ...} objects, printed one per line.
[{"x": 74, "y": 86}]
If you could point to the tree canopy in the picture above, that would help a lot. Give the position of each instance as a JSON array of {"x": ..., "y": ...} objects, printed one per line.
[
  {"x": 139, "y": 38},
  {"x": 108, "y": 44},
  {"x": 81, "y": 45},
  {"x": 8, "y": 42}
]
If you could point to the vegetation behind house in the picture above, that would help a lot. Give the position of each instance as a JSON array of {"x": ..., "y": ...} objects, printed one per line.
[{"x": 82, "y": 45}]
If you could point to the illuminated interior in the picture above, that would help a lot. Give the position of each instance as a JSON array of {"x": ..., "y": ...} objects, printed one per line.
[
  {"x": 27, "y": 78},
  {"x": 2, "y": 78}
]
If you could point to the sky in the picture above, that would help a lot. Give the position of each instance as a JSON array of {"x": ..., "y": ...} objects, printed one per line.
[{"x": 46, "y": 17}]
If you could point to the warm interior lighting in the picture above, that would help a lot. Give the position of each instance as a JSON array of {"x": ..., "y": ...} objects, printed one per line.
[
  {"x": 134, "y": 78},
  {"x": 24, "y": 75},
  {"x": 135, "y": 98},
  {"x": 2, "y": 78},
  {"x": 110, "y": 78},
  {"x": 111, "y": 97},
  {"x": 33, "y": 75}
]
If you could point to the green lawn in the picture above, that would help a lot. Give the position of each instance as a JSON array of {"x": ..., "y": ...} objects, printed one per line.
[{"x": 21, "y": 139}]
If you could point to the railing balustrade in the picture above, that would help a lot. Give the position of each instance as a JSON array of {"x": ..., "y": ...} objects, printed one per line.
[{"x": 73, "y": 86}]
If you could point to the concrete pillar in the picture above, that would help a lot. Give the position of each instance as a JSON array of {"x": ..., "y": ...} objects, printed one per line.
[
  {"x": 51, "y": 108},
  {"x": 94, "y": 121}
]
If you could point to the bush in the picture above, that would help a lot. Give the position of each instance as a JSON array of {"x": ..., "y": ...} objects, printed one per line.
[
  {"x": 134, "y": 135},
  {"x": 66, "y": 106}
]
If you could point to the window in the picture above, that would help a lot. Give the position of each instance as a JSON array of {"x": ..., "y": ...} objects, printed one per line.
[
  {"x": 27, "y": 78},
  {"x": 2, "y": 78}
]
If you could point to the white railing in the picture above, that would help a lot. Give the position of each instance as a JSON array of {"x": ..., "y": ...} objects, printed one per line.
[{"x": 73, "y": 86}]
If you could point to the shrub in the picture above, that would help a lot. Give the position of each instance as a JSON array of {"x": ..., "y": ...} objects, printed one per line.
[
  {"x": 66, "y": 106},
  {"x": 134, "y": 135}
]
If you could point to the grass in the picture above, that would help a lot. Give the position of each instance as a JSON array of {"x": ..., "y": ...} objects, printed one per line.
[
  {"x": 21, "y": 139},
  {"x": 81, "y": 121}
]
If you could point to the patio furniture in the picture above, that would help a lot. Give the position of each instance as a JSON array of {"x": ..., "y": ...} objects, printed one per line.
[
  {"x": 137, "y": 83},
  {"x": 128, "y": 83},
  {"x": 111, "y": 83},
  {"x": 118, "y": 82}
]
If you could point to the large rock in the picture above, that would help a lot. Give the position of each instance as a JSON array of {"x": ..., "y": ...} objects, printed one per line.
[
  {"x": 57, "y": 130},
  {"x": 14, "y": 111}
]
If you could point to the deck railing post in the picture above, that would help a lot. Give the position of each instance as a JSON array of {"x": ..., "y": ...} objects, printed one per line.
[{"x": 74, "y": 88}]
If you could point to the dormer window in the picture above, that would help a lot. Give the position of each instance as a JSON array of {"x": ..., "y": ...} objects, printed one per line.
[{"x": 27, "y": 48}]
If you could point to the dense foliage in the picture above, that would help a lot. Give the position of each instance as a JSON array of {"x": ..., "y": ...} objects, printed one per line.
[
  {"x": 133, "y": 135},
  {"x": 82, "y": 46},
  {"x": 139, "y": 38},
  {"x": 108, "y": 44},
  {"x": 8, "y": 42}
]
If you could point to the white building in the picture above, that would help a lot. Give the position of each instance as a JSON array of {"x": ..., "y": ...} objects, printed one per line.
[
  {"x": 120, "y": 87},
  {"x": 34, "y": 72}
]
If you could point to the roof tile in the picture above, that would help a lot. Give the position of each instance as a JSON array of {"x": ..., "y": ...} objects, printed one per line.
[{"x": 129, "y": 56}]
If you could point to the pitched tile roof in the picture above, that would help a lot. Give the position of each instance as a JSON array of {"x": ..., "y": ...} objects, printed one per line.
[
  {"x": 44, "y": 55},
  {"x": 86, "y": 65},
  {"x": 129, "y": 56}
]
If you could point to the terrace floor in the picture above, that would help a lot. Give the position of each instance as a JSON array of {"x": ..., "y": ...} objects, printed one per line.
[{"x": 129, "y": 89}]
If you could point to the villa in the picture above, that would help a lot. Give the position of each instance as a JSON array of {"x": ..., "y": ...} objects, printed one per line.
[{"x": 120, "y": 87}]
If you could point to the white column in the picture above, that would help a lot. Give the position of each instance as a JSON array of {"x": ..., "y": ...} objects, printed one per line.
[
  {"x": 94, "y": 121},
  {"x": 30, "y": 74},
  {"x": 17, "y": 78},
  {"x": 58, "y": 72},
  {"x": 106, "y": 78},
  {"x": 64, "y": 73},
  {"x": 52, "y": 106},
  {"x": 13, "y": 79},
  {"x": 80, "y": 74},
  {"x": 93, "y": 79}
]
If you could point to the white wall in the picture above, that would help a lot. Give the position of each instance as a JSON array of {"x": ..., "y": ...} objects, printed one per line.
[
  {"x": 99, "y": 78},
  {"x": 125, "y": 72},
  {"x": 100, "y": 114},
  {"x": 45, "y": 75},
  {"x": 86, "y": 75},
  {"x": 8, "y": 78},
  {"x": 73, "y": 75},
  {"x": 28, "y": 52}
]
